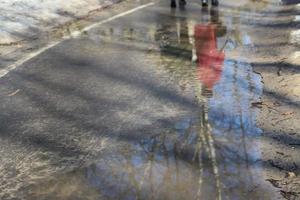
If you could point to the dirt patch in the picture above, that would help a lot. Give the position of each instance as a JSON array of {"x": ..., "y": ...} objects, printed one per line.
[{"x": 279, "y": 64}]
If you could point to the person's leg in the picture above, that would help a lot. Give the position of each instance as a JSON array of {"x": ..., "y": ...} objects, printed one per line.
[
  {"x": 215, "y": 2},
  {"x": 182, "y": 2},
  {"x": 173, "y": 3},
  {"x": 191, "y": 32}
]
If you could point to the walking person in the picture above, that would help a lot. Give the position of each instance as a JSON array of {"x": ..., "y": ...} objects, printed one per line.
[
  {"x": 204, "y": 3},
  {"x": 213, "y": 2},
  {"x": 181, "y": 3},
  {"x": 209, "y": 58}
]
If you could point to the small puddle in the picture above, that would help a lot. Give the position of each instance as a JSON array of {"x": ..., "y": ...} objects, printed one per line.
[{"x": 213, "y": 154}]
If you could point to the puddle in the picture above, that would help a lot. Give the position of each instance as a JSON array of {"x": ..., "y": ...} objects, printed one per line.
[{"x": 213, "y": 154}]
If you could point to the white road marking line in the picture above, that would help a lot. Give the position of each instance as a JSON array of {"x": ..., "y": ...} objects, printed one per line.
[
  {"x": 117, "y": 16},
  {"x": 13, "y": 66}
]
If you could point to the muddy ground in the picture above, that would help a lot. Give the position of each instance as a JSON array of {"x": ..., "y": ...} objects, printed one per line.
[{"x": 276, "y": 58}]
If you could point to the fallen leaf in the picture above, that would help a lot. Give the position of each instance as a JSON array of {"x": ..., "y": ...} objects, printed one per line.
[
  {"x": 14, "y": 93},
  {"x": 274, "y": 182},
  {"x": 288, "y": 195},
  {"x": 257, "y": 104},
  {"x": 288, "y": 113},
  {"x": 291, "y": 175},
  {"x": 270, "y": 105},
  {"x": 281, "y": 120}
]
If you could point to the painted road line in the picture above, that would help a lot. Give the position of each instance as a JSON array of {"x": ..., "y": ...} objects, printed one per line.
[{"x": 13, "y": 66}]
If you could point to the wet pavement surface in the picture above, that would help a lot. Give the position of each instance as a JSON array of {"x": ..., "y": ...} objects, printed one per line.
[{"x": 158, "y": 104}]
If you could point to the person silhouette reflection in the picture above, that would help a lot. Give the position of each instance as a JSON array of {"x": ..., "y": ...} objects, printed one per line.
[
  {"x": 182, "y": 3},
  {"x": 173, "y": 36},
  {"x": 209, "y": 59},
  {"x": 185, "y": 39}
]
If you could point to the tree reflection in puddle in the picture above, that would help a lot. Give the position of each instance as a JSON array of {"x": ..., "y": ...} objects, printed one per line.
[{"x": 211, "y": 155}]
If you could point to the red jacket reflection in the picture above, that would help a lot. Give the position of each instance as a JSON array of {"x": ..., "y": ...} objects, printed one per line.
[{"x": 210, "y": 60}]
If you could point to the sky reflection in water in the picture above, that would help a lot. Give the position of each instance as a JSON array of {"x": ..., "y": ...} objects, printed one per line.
[{"x": 210, "y": 155}]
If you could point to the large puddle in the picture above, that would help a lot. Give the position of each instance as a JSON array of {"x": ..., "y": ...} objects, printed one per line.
[{"x": 213, "y": 154}]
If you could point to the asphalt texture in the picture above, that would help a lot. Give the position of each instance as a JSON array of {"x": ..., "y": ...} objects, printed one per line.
[{"x": 127, "y": 92}]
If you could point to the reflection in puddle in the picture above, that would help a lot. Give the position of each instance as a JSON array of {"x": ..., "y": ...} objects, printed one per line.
[{"x": 210, "y": 155}]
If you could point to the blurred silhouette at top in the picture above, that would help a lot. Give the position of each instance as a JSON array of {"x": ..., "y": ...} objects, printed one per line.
[
  {"x": 209, "y": 59},
  {"x": 204, "y": 3}
]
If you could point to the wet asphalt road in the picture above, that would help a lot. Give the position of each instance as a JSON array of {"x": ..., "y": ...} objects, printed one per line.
[{"x": 121, "y": 112}]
